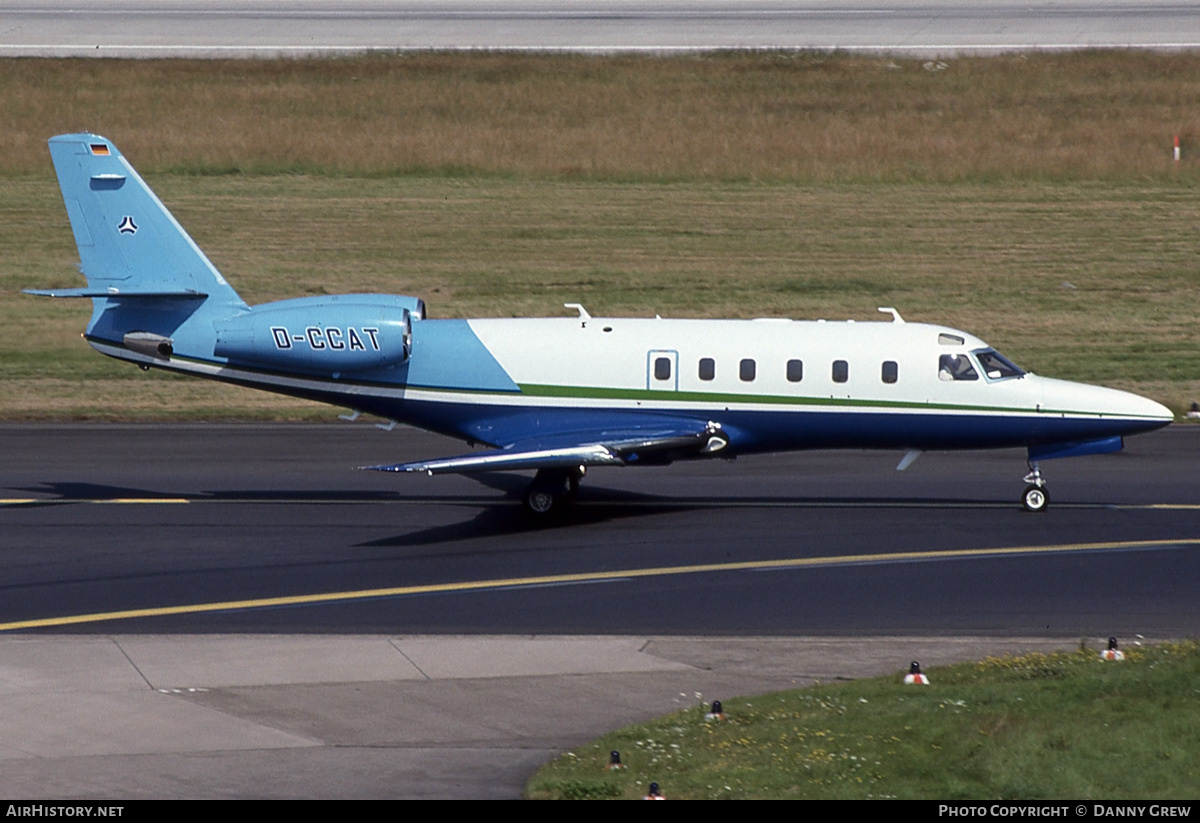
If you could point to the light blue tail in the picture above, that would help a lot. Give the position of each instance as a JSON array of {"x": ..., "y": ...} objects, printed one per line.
[
  {"x": 153, "y": 291},
  {"x": 129, "y": 244}
]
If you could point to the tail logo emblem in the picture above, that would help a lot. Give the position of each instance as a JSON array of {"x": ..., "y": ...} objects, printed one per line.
[{"x": 127, "y": 226}]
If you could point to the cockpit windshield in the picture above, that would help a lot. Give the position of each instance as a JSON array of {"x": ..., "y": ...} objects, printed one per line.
[{"x": 996, "y": 366}]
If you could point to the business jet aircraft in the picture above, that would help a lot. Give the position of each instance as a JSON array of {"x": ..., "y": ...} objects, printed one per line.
[{"x": 560, "y": 395}]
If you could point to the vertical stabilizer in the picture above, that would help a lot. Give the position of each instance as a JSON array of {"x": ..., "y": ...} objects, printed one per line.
[{"x": 128, "y": 242}]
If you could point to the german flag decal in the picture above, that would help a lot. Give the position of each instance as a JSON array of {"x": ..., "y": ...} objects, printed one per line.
[{"x": 100, "y": 149}]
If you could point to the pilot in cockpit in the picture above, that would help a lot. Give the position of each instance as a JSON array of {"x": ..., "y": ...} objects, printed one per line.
[{"x": 956, "y": 367}]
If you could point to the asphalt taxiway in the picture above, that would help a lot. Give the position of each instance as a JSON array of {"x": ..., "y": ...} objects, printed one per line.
[
  {"x": 242, "y": 28},
  {"x": 272, "y": 529},
  {"x": 233, "y": 611}
]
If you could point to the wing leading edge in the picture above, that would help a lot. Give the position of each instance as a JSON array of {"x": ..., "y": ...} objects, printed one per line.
[{"x": 653, "y": 446}]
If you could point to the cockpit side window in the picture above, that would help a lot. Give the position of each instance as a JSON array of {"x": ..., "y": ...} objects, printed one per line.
[
  {"x": 996, "y": 366},
  {"x": 956, "y": 367}
]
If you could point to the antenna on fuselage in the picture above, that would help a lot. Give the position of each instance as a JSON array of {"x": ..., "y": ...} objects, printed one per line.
[
  {"x": 896, "y": 318},
  {"x": 583, "y": 313}
]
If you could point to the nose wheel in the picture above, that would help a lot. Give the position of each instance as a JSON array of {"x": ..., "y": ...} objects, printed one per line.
[{"x": 1035, "y": 498}]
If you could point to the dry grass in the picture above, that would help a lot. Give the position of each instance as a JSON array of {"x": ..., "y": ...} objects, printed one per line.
[
  {"x": 803, "y": 117},
  {"x": 114, "y": 397}
]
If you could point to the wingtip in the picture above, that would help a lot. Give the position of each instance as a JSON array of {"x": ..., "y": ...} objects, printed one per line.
[{"x": 395, "y": 467}]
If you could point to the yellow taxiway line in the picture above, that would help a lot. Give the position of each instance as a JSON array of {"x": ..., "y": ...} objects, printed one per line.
[
  {"x": 593, "y": 577},
  {"x": 24, "y": 501}
]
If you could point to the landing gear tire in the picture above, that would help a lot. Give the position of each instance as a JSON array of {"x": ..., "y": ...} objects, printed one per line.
[
  {"x": 551, "y": 488},
  {"x": 1035, "y": 499},
  {"x": 540, "y": 501}
]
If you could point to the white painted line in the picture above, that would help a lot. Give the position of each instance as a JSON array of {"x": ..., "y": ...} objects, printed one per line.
[{"x": 78, "y": 49}]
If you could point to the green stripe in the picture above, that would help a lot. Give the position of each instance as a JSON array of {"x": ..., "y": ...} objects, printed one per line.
[{"x": 723, "y": 398}]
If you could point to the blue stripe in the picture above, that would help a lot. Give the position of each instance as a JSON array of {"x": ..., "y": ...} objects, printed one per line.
[{"x": 765, "y": 431}]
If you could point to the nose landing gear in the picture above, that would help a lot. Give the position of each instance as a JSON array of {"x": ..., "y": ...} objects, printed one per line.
[{"x": 1035, "y": 498}]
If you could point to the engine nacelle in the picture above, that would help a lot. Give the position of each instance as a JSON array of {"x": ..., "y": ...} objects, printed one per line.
[{"x": 333, "y": 335}]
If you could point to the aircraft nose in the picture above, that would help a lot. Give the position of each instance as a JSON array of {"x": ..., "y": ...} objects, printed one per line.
[
  {"x": 1105, "y": 403},
  {"x": 1113, "y": 402},
  {"x": 1156, "y": 410}
]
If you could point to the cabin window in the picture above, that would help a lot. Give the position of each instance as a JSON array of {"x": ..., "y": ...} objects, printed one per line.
[
  {"x": 956, "y": 367},
  {"x": 795, "y": 371},
  {"x": 841, "y": 371},
  {"x": 708, "y": 368},
  {"x": 950, "y": 339},
  {"x": 662, "y": 368},
  {"x": 746, "y": 370},
  {"x": 890, "y": 371},
  {"x": 996, "y": 366}
]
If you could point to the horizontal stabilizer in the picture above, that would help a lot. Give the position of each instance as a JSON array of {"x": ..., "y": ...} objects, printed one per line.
[
  {"x": 117, "y": 294},
  {"x": 570, "y": 450}
]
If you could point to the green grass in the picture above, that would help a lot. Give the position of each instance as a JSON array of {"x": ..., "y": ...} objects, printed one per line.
[
  {"x": 1028, "y": 199},
  {"x": 1057, "y": 726}
]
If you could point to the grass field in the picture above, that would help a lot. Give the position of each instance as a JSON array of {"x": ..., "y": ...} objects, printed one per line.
[
  {"x": 987, "y": 730},
  {"x": 747, "y": 116},
  {"x": 1030, "y": 200}
]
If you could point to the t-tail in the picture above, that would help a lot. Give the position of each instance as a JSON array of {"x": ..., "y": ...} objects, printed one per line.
[
  {"x": 146, "y": 276},
  {"x": 159, "y": 301}
]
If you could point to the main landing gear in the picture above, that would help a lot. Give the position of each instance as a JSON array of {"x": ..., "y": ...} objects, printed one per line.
[
  {"x": 1035, "y": 498},
  {"x": 551, "y": 488}
]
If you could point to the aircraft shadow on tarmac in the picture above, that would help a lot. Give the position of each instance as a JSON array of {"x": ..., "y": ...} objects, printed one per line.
[
  {"x": 498, "y": 516},
  {"x": 71, "y": 492},
  {"x": 595, "y": 505}
]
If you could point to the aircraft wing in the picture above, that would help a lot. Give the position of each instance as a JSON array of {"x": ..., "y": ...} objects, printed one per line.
[{"x": 652, "y": 445}]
